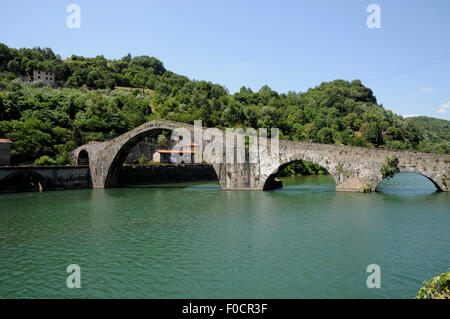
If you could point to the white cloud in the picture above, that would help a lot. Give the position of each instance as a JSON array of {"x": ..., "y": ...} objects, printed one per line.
[
  {"x": 444, "y": 107},
  {"x": 405, "y": 116},
  {"x": 426, "y": 89}
]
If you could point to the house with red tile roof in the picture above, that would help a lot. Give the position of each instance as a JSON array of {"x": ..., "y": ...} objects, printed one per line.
[{"x": 170, "y": 155}]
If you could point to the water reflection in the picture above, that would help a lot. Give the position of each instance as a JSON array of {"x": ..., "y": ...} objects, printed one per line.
[
  {"x": 407, "y": 183},
  {"x": 196, "y": 241}
]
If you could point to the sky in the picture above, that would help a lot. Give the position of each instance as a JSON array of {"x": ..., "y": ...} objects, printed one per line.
[{"x": 287, "y": 45}]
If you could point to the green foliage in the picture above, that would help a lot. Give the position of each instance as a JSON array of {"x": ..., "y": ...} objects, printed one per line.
[
  {"x": 301, "y": 168},
  {"x": 31, "y": 138},
  {"x": 436, "y": 133},
  {"x": 325, "y": 135},
  {"x": 44, "y": 161},
  {"x": 436, "y": 288},
  {"x": 45, "y": 121},
  {"x": 390, "y": 167},
  {"x": 63, "y": 158},
  {"x": 94, "y": 136},
  {"x": 143, "y": 160},
  {"x": 162, "y": 140}
]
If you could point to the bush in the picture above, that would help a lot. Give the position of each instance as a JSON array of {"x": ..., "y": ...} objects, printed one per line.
[
  {"x": 142, "y": 160},
  {"x": 45, "y": 161},
  {"x": 436, "y": 288},
  {"x": 95, "y": 136},
  {"x": 63, "y": 159},
  {"x": 390, "y": 167},
  {"x": 162, "y": 140}
]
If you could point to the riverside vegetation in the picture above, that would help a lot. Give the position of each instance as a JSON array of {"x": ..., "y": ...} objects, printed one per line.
[
  {"x": 436, "y": 288},
  {"x": 89, "y": 101}
]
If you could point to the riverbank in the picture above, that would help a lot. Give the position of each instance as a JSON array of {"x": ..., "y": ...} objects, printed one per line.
[{"x": 16, "y": 179}]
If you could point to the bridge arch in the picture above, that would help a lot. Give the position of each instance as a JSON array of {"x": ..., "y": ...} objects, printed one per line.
[
  {"x": 122, "y": 146},
  {"x": 30, "y": 175},
  {"x": 307, "y": 157},
  {"x": 83, "y": 158},
  {"x": 122, "y": 153},
  {"x": 429, "y": 176}
]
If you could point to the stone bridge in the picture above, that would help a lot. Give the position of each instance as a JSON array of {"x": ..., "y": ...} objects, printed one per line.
[{"x": 353, "y": 168}]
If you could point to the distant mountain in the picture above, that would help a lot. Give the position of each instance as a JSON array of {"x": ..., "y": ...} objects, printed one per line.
[{"x": 437, "y": 131}]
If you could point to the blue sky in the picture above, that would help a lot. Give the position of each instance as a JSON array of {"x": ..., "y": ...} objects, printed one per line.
[{"x": 288, "y": 45}]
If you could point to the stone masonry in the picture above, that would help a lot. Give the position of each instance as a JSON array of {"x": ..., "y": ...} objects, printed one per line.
[
  {"x": 5, "y": 152},
  {"x": 353, "y": 168}
]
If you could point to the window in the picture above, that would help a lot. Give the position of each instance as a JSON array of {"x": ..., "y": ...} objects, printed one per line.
[
  {"x": 46, "y": 78},
  {"x": 39, "y": 77}
]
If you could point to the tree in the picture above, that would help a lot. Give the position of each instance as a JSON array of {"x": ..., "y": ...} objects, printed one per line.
[
  {"x": 373, "y": 134},
  {"x": 14, "y": 66},
  {"x": 325, "y": 135},
  {"x": 63, "y": 158},
  {"x": 44, "y": 161},
  {"x": 29, "y": 140},
  {"x": 162, "y": 140},
  {"x": 152, "y": 64}
]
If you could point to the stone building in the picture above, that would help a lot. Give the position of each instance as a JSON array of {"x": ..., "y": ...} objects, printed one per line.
[
  {"x": 44, "y": 76},
  {"x": 5, "y": 152}
]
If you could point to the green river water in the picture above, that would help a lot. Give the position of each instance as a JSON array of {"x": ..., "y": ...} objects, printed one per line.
[{"x": 196, "y": 241}]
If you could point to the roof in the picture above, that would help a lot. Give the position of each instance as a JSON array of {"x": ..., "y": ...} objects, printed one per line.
[
  {"x": 4, "y": 140},
  {"x": 174, "y": 151},
  {"x": 179, "y": 150},
  {"x": 186, "y": 145}
]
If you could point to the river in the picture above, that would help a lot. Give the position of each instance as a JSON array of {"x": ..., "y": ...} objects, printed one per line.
[{"x": 196, "y": 241}]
